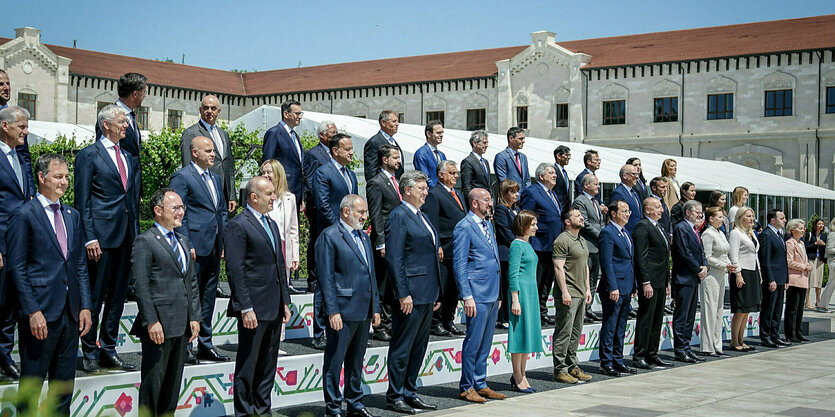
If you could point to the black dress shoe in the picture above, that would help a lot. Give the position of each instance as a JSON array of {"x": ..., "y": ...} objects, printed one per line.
[
  {"x": 681, "y": 357},
  {"x": 438, "y": 330},
  {"x": 591, "y": 315},
  {"x": 211, "y": 355},
  {"x": 769, "y": 344},
  {"x": 641, "y": 364},
  {"x": 319, "y": 343},
  {"x": 219, "y": 293},
  {"x": 633, "y": 314},
  {"x": 11, "y": 370},
  {"x": 400, "y": 406},
  {"x": 381, "y": 335},
  {"x": 90, "y": 366},
  {"x": 360, "y": 413},
  {"x": 668, "y": 310},
  {"x": 656, "y": 361},
  {"x": 802, "y": 338},
  {"x": 294, "y": 291},
  {"x": 191, "y": 359},
  {"x": 624, "y": 369},
  {"x": 694, "y": 356},
  {"x": 547, "y": 321},
  {"x": 609, "y": 371},
  {"x": 452, "y": 328},
  {"x": 782, "y": 342},
  {"x": 115, "y": 363},
  {"x": 416, "y": 402}
]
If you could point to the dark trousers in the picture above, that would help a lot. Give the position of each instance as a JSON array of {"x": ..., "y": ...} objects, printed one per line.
[
  {"x": 594, "y": 274},
  {"x": 319, "y": 322},
  {"x": 255, "y": 367},
  {"x": 9, "y": 314},
  {"x": 544, "y": 279},
  {"x": 109, "y": 278},
  {"x": 53, "y": 358},
  {"x": 684, "y": 316},
  {"x": 345, "y": 347},
  {"x": 771, "y": 311},
  {"x": 162, "y": 374},
  {"x": 449, "y": 303},
  {"x": 613, "y": 328},
  {"x": 409, "y": 339},
  {"x": 649, "y": 323},
  {"x": 384, "y": 289},
  {"x": 207, "y": 272},
  {"x": 504, "y": 292},
  {"x": 795, "y": 302},
  {"x": 310, "y": 213}
]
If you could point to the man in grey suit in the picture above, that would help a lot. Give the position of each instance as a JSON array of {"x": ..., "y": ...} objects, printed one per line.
[
  {"x": 595, "y": 221},
  {"x": 224, "y": 165},
  {"x": 165, "y": 284}
]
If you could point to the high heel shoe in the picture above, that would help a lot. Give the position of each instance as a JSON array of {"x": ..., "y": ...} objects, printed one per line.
[{"x": 516, "y": 388}]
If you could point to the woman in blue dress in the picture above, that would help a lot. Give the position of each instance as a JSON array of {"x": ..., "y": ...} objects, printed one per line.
[{"x": 525, "y": 335}]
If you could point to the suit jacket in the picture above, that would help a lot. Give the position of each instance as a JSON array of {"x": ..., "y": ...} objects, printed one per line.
[
  {"x": 382, "y": 199},
  {"x": 475, "y": 261},
  {"x": 223, "y": 167},
  {"x": 203, "y": 221},
  {"x": 281, "y": 146},
  {"x": 595, "y": 221},
  {"x": 616, "y": 262},
  {"x": 444, "y": 213},
  {"x": 631, "y": 198},
  {"x": 474, "y": 176},
  {"x": 369, "y": 155},
  {"x": 688, "y": 255},
  {"x": 772, "y": 256},
  {"x": 347, "y": 279},
  {"x": 642, "y": 190},
  {"x": 313, "y": 159},
  {"x": 329, "y": 188},
  {"x": 652, "y": 254},
  {"x": 666, "y": 221},
  {"x": 289, "y": 226},
  {"x": 12, "y": 195},
  {"x": 797, "y": 262},
  {"x": 109, "y": 213},
  {"x": 255, "y": 268},
  {"x": 412, "y": 256},
  {"x": 424, "y": 160},
  {"x": 503, "y": 217},
  {"x": 537, "y": 200},
  {"x": 563, "y": 187},
  {"x": 578, "y": 185},
  {"x": 505, "y": 166},
  {"x": 163, "y": 292},
  {"x": 45, "y": 280}
]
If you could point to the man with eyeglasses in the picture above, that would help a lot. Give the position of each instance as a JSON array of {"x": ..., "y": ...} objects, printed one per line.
[
  {"x": 624, "y": 192},
  {"x": 283, "y": 144}
]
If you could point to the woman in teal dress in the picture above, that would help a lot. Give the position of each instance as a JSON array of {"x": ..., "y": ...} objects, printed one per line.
[{"x": 525, "y": 335}]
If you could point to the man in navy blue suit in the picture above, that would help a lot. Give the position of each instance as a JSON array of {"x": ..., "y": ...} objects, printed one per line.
[
  {"x": 17, "y": 186},
  {"x": 775, "y": 276},
  {"x": 476, "y": 263},
  {"x": 48, "y": 266},
  {"x": 389, "y": 123},
  {"x": 562, "y": 155},
  {"x": 283, "y": 144},
  {"x": 313, "y": 159},
  {"x": 616, "y": 287},
  {"x": 428, "y": 156},
  {"x": 203, "y": 224},
  {"x": 591, "y": 159},
  {"x": 541, "y": 199},
  {"x": 689, "y": 267},
  {"x": 132, "y": 89},
  {"x": 511, "y": 163},
  {"x": 351, "y": 303},
  {"x": 107, "y": 196},
  {"x": 658, "y": 187},
  {"x": 624, "y": 192},
  {"x": 413, "y": 247}
]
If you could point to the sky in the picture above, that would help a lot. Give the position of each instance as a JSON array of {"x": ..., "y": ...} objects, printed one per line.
[{"x": 262, "y": 35}]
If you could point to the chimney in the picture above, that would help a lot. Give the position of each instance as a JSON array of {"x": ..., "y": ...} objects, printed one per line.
[
  {"x": 27, "y": 32},
  {"x": 542, "y": 38}
]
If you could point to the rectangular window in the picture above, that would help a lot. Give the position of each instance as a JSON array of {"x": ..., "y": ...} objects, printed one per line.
[
  {"x": 778, "y": 103},
  {"x": 175, "y": 118},
  {"x": 522, "y": 117},
  {"x": 401, "y": 117},
  {"x": 100, "y": 105},
  {"x": 29, "y": 102},
  {"x": 142, "y": 117},
  {"x": 720, "y": 106},
  {"x": 562, "y": 114},
  {"x": 476, "y": 119},
  {"x": 614, "y": 112},
  {"x": 830, "y": 100},
  {"x": 435, "y": 115},
  {"x": 666, "y": 109}
]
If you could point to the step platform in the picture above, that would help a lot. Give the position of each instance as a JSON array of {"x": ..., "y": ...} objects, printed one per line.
[{"x": 207, "y": 388}]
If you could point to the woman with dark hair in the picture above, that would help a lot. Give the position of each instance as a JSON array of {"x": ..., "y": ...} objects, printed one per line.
[
  {"x": 640, "y": 186},
  {"x": 505, "y": 212},
  {"x": 525, "y": 334},
  {"x": 718, "y": 199},
  {"x": 815, "y": 241}
]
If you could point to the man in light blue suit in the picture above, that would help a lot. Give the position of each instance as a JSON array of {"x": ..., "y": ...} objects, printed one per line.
[
  {"x": 624, "y": 192},
  {"x": 428, "y": 156},
  {"x": 510, "y": 163},
  {"x": 476, "y": 264}
]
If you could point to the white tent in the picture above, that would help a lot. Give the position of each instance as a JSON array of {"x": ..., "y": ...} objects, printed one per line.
[
  {"x": 706, "y": 174},
  {"x": 50, "y": 131}
]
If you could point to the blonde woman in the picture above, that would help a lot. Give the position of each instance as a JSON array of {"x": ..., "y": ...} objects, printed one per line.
[
  {"x": 799, "y": 267},
  {"x": 668, "y": 170},
  {"x": 739, "y": 198},
  {"x": 745, "y": 282}
]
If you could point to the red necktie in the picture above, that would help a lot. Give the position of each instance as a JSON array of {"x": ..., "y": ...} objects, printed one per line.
[
  {"x": 123, "y": 173},
  {"x": 396, "y": 187},
  {"x": 696, "y": 230}
]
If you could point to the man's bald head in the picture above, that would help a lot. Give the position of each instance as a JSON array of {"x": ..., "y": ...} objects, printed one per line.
[
  {"x": 210, "y": 109},
  {"x": 480, "y": 202},
  {"x": 202, "y": 152}
]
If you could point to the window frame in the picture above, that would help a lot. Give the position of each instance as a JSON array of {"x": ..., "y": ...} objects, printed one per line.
[
  {"x": 613, "y": 120},
  {"x": 714, "y": 115},
  {"x": 522, "y": 117},
  {"x": 778, "y": 96},
  {"x": 28, "y": 101},
  {"x": 558, "y": 120},
  {"x": 480, "y": 114},
  {"x": 672, "y": 116}
]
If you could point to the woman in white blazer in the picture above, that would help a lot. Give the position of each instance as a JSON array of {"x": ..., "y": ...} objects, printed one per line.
[{"x": 712, "y": 288}]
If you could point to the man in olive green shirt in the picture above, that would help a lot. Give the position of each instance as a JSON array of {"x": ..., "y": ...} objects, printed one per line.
[{"x": 571, "y": 295}]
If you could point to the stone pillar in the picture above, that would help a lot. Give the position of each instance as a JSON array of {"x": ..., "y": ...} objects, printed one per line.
[
  {"x": 504, "y": 96},
  {"x": 576, "y": 104}
]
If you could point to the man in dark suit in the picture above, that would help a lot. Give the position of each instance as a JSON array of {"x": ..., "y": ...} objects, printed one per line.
[
  {"x": 640, "y": 186},
  {"x": 107, "y": 195},
  {"x": 652, "y": 276},
  {"x": 775, "y": 276},
  {"x": 164, "y": 279},
  {"x": 444, "y": 208},
  {"x": 313, "y": 159},
  {"x": 389, "y": 124},
  {"x": 132, "y": 89},
  {"x": 475, "y": 170},
  {"x": 224, "y": 165},
  {"x": 594, "y": 221},
  {"x": 17, "y": 186},
  {"x": 48, "y": 267},
  {"x": 203, "y": 224},
  {"x": 349, "y": 289},
  {"x": 428, "y": 156},
  {"x": 689, "y": 267},
  {"x": 334, "y": 180},
  {"x": 511, "y": 163},
  {"x": 413, "y": 264},
  {"x": 591, "y": 159},
  {"x": 383, "y": 193},
  {"x": 562, "y": 154},
  {"x": 260, "y": 297},
  {"x": 283, "y": 144},
  {"x": 541, "y": 199},
  {"x": 658, "y": 186},
  {"x": 624, "y": 192},
  {"x": 615, "y": 289}
]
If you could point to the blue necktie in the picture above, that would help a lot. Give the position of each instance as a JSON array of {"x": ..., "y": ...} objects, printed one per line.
[
  {"x": 360, "y": 245},
  {"x": 268, "y": 229},
  {"x": 18, "y": 171},
  {"x": 484, "y": 165},
  {"x": 174, "y": 246},
  {"x": 346, "y": 177}
]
